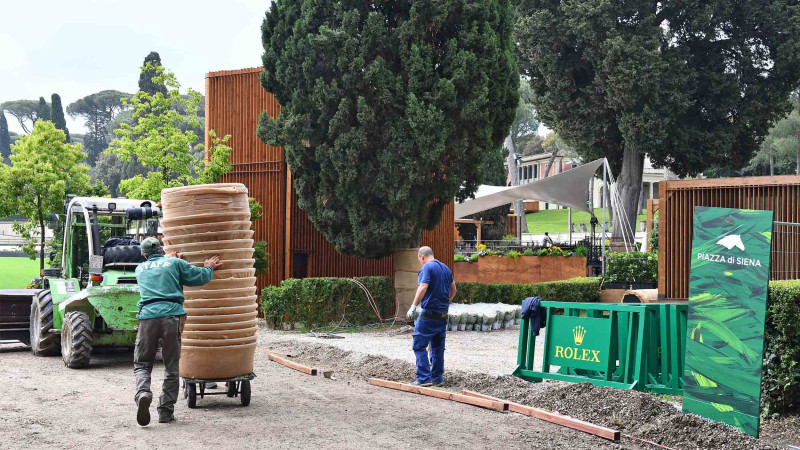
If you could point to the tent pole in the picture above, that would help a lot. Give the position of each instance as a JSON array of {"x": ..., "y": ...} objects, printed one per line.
[
  {"x": 603, "y": 238},
  {"x": 569, "y": 224}
]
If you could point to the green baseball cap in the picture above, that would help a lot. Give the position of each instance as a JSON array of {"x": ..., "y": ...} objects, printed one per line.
[{"x": 151, "y": 246}]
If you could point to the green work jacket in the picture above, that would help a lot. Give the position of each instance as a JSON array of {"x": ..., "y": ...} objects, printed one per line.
[{"x": 162, "y": 278}]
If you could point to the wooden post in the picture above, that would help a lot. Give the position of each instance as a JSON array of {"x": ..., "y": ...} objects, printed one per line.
[{"x": 479, "y": 226}]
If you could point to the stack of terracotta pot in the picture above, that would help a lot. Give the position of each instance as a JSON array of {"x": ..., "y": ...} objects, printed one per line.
[{"x": 219, "y": 339}]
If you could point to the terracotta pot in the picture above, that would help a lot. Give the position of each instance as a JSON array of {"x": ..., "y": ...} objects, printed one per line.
[
  {"x": 234, "y": 273},
  {"x": 216, "y": 362},
  {"x": 220, "y": 302},
  {"x": 219, "y": 334},
  {"x": 223, "y": 283},
  {"x": 220, "y": 326},
  {"x": 210, "y": 245},
  {"x": 229, "y": 206},
  {"x": 230, "y": 265},
  {"x": 220, "y": 311},
  {"x": 204, "y": 218},
  {"x": 224, "y": 255},
  {"x": 219, "y": 342},
  {"x": 209, "y": 237},
  {"x": 234, "y": 225},
  {"x": 220, "y": 293},
  {"x": 221, "y": 318},
  {"x": 235, "y": 189}
]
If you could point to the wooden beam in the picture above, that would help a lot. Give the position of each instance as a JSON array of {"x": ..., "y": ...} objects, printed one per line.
[
  {"x": 293, "y": 365},
  {"x": 474, "y": 222},
  {"x": 777, "y": 180},
  {"x": 470, "y": 400},
  {"x": 558, "y": 419}
]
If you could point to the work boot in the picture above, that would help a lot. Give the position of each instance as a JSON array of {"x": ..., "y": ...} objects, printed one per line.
[
  {"x": 143, "y": 408},
  {"x": 164, "y": 418},
  {"x": 417, "y": 383},
  {"x": 437, "y": 384}
]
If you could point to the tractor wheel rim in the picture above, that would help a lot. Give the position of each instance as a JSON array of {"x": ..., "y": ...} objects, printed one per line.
[
  {"x": 35, "y": 327},
  {"x": 65, "y": 342}
]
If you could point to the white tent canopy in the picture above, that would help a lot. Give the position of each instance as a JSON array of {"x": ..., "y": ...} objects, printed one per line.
[{"x": 570, "y": 188}]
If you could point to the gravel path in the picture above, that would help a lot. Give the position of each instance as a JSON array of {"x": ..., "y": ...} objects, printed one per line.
[{"x": 492, "y": 352}]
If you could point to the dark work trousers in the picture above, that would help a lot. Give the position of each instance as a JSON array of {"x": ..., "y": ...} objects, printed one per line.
[
  {"x": 429, "y": 332},
  {"x": 150, "y": 332}
]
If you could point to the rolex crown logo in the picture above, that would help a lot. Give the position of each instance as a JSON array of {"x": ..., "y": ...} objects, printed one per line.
[{"x": 578, "y": 333}]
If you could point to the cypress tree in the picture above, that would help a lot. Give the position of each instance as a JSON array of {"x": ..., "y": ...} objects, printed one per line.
[
  {"x": 5, "y": 139},
  {"x": 146, "y": 83},
  {"x": 43, "y": 110},
  {"x": 58, "y": 115},
  {"x": 390, "y": 109}
]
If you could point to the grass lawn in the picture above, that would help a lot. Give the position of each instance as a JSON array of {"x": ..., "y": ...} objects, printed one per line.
[
  {"x": 557, "y": 220},
  {"x": 16, "y": 273}
]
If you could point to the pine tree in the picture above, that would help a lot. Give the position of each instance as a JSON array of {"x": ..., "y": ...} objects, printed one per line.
[
  {"x": 5, "y": 139},
  {"x": 58, "y": 115},
  {"x": 390, "y": 109},
  {"x": 43, "y": 110},
  {"x": 692, "y": 85},
  {"x": 146, "y": 83}
]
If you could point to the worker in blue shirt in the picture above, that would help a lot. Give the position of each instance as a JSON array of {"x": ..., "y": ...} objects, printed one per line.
[
  {"x": 436, "y": 290},
  {"x": 161, "y": 317}
]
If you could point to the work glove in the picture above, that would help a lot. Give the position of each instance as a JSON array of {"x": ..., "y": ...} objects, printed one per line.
[{"x": 410, "y": 313}]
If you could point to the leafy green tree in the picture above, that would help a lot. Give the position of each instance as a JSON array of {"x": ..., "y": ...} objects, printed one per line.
[
  {"x": 693, "y": 85},
  {"x": 146, "y": 82},
  {"x": 780, "y": 152},
  {"x": 43, "y": 170},
  {"x": 408, "y": 98},
  {"x": 98, "y": 110},
  {"x": 58, "y": 115},
  {"x": 524, "y": 129},
  {"x": 43, "y": 110},
  {"x": 5, "y": 139},
  {"x": 157, "y": 139},
  {"x": 22, "y": 110}
]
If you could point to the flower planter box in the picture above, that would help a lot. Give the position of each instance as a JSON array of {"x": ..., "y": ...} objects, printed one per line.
[{"x": 525, "y": 269}]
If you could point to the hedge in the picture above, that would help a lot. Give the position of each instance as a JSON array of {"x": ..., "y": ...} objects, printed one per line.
[
  {"x": 324, "y": 301},
  {"x": 632, "y": 266},
  {"x": 572, "y": 290},
  {"x": 780, "y": 383}
]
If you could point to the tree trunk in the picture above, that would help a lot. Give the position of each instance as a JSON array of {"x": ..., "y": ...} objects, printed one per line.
[
  {"x": 550, "y": 163},
  {"x": 513, "y": 178},
  {"x": 629, "y": 185},
  {"x": 772, "y": 164},
  {"x": 41, "y": 235}
]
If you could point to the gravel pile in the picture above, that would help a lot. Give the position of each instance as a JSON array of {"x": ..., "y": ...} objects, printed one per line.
[{"x": 632, "y": 412}]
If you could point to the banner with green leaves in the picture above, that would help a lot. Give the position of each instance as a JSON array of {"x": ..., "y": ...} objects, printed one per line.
[{"x": 730, "y": 262}]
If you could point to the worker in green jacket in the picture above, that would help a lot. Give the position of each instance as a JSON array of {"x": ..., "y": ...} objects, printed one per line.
[{"x": 161, "y": 317}]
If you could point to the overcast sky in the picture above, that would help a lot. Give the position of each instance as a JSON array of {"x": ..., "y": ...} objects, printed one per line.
[{"x": 79, "y": 47}]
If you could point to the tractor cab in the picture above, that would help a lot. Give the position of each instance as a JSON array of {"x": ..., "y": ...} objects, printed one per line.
[
  {"x": 91, "y": 300},
  {"x": 101, "y": 239}
]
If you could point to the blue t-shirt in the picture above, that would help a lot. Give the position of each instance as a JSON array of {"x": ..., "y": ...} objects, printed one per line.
[{"x": 439, "y": 278}]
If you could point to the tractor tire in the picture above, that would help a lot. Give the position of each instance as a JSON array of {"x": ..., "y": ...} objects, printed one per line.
[
  {"x": 42, "y": 341},
  {"x": 76, "y": 339}
]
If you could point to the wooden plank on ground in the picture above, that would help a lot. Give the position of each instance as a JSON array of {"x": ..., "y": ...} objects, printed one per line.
[
  {"x": 292, "y": 364},
  {"x": 483, "y": 403},
  {"x": 558, "y": 419}
]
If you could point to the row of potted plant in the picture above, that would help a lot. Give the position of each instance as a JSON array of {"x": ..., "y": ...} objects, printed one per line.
[{"x": 548, "y": 251}]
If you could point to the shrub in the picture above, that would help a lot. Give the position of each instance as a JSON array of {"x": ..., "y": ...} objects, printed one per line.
[
  {"x": 542, "y": 252},
  {"x": 556, "y": 251},
  {"x": 581, "y": 250},
  {"x": 325, "y": 301},
  {"x": 459, "y": 258},
  {"x": 513, "y": 254},
  {"x": 474, "y": 258},
  {"x": 527, "y": 252},
  {"x": 632, "y": 266},
  {"x": 509, "y": 237},
  {"x": 572, "y": 290},
  {"x": 780, "y": 384}
]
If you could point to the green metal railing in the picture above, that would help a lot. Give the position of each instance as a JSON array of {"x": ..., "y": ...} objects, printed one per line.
[{"x": 628, "y": 346}]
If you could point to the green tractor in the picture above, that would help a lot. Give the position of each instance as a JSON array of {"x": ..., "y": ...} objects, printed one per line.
[{"x": 90, "y": 301}]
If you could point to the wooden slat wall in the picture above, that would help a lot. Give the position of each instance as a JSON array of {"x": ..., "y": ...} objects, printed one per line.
[
  {"x": 234, "y": 101},
  {"x": 325, "y": 261},
  {"x": 780, "y": 194}
]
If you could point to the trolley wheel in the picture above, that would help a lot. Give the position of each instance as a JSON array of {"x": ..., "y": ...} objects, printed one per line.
[
  {"x": 192, "y": 401},
  {"x": 245, "y": 392},
  {"x": 231, "y": 389}
]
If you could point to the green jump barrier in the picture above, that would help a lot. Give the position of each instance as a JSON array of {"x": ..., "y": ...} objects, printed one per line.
[{"x": 626, "y": 346}]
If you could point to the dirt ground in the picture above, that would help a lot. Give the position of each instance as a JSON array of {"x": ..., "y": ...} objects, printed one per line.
[{"x": 46, "y": 405}]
